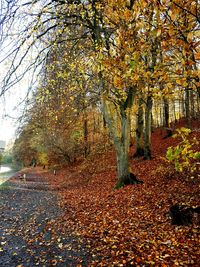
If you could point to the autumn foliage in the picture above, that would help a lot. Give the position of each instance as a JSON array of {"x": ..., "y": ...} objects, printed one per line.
[
  {"x": 130, "y": 226},
  {"x": 113, "y": 76}
]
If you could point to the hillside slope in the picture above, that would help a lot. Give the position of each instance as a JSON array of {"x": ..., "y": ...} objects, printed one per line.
[{"x": 131, "y": 226}]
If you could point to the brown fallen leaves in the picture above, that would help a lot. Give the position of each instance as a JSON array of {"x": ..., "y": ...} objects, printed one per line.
[{"x": 130, "y": 226}]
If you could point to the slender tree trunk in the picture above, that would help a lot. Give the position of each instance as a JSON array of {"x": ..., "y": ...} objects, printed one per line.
[
  {"x": 85, "y": 132},
  {"x": 139, "y": 131},
  {"x": 187, "y": 107},
  {"x": 161, "y": 115},
  {"x": 183, "y": 104},
  {"x": 179, "y": 108},
  {"x": 166, "y": 112},
  {"x": 147, "y": 132},
  {"x": 198, "y": 103},
  {"x": 192, "y": 104},
  {"x": 104, "y": 123},
  {"x": 174, "y": 110}
]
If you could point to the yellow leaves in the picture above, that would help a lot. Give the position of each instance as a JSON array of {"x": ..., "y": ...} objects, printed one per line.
[
  {"x": 118, "y": 83},
  {"x": 136, "y": 77},
  {"x": 190, "y": 37},
  {"x": 179, "y": 81},
  {"x": 159, "y": 31},
  {"x": 197, "y": 33},
  {"x": 169, "y": 85},
  {"x": 127, "y": 58},
  {"x": 147, "y": 74}
]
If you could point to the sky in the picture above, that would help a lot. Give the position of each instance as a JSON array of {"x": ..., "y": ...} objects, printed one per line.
[
  {"x": 10, "y": 112},
  {"x": 7, "y": 125},
  {"x": 8, "y": 103},
  {"x": 7, "y": 130}
]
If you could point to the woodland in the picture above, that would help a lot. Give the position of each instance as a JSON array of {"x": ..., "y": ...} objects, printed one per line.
[{"x": 112, "y": 120}]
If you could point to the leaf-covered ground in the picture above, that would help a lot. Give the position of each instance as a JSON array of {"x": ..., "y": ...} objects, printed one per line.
[
  {"x": 131, "y": 226},
  {"x": 104, "y": 227}
]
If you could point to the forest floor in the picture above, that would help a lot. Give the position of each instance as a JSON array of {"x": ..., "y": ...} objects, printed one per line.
[{"x": 130, "y": 226}]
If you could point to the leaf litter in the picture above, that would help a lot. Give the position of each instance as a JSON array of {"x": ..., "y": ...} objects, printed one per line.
[{"x": 91, "y": 224}]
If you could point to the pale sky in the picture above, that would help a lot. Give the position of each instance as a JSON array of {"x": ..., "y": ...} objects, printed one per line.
[
  {"x": 7, "y": 125},
  {"x": 7, "y": 130},
  {"x": 9, "y": 113},
  {"x": 17, "y": 93}
]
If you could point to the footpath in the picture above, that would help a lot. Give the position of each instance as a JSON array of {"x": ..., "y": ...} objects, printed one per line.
[{"x": 31, "y": 231}]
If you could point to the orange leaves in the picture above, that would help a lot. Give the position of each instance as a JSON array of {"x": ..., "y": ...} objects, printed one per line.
[
  {"x": 126, "y": 227},
  {"x": 118, "y": 82},
  {"x": 159, "y": 31},
  {"x": 197, "y": 56}
]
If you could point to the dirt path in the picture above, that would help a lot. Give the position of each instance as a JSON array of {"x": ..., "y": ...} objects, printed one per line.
[{"x": 30, "y": 234}]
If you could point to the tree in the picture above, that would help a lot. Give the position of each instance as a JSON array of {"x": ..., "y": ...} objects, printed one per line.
[{"x": 119, "y": 42}]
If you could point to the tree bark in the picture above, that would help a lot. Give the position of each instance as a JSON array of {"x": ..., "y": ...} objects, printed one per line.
[
  {"x": 147, "y": 132},
  {"x": 85, "y": 132},
  {"x": 187, "y": 107},
  {"x": 192, "y": 104},
  {"x": 139, "y": 131},
  {"x": 122, "y": 148},
  {"x": 120, "y": 134}
]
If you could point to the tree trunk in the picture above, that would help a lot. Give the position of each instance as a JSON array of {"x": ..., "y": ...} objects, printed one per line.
[
  {"x": 198, "y": 103},
  {"x": 187, "y": 107},
  {"x": 139, "y": 131},
  {"x": 147, "y": 132},
  {"x": 192, "y": 104},
  {"x": 183, "y": 105},
  {"x": 104, "y": 123},
  {"x": 120, "y": 134},
  {"x": 123, "y": 146},
  {"x": 166, "y": 112},
  {"x": 85, "y": 132},
  {"x": 122, "y": 165}
]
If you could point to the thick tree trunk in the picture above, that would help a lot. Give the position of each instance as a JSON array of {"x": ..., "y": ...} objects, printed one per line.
[
  {"x": 147, "y": 132},
  {"x": 123, "y": 147},
  {"x": 123, "y": 163},
  {"x": 139, "y": 131},
  {"x": 120, "y": 134}
]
